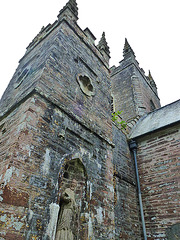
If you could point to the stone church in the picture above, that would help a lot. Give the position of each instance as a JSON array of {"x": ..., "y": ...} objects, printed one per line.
[{"x": 67, "y": 170}]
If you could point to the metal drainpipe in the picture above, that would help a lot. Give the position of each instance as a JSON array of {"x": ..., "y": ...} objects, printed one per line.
[{"x": 133, "y": 148}]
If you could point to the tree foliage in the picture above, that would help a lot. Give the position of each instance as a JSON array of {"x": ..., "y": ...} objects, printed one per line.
[{"x": 115, "y": 116}]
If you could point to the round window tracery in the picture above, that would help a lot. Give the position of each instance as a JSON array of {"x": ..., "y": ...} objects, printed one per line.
[{"x": 85, "y": 84}]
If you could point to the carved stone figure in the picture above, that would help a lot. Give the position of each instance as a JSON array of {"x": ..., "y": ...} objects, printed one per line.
[{"x": 67, "y": 214}]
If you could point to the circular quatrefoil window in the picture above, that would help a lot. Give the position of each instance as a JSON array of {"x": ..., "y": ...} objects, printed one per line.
[{"x": 85, "y": 84}]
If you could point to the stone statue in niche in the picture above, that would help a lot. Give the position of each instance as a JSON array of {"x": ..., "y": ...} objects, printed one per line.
[{"x": 67, "y": 217}]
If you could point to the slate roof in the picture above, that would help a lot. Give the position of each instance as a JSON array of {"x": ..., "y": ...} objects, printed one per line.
[{"x": 157, "y": 119}]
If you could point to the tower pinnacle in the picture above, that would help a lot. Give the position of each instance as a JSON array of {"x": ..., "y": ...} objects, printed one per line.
[
  {"x": 102, "y": 45},
  {"x": 127, "y": 50},
  {"x": 72, "y": 6},
  {"x": 150, "y": 76},
  {"x": 151, "y": 79},
  {"x": 152, "y": 82}
]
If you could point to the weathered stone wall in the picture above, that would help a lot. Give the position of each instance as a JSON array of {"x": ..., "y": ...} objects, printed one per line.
[
  {"x": 53, "y": 66},
  {"x": 131, "y": 90},
  {"x": 57, "y": 132},
  {"x": 25, "y": 78},
  {"x": 16, "y": 166},
  {"x": 122, "y": 93},
  {"x": 127, "y": 221},
  {"x": 68, "y": 59},
  {"x": 43, "y": 140},
  {"x": 144, "y": 92},
  {"x": 158, "y": 162}
]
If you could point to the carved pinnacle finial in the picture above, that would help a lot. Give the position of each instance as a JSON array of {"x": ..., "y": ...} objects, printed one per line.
[
  {"x": 127, "y": 49},
  {"x": 102, "y": 45},
  {"x": 150, "y": 76},
  {"x": 72, "y": 6},
  {"x": 152, "y": 82}
]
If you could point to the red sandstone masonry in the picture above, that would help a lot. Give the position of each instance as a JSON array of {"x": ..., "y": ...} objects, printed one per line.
[
  {"x": 31, "y": 134},
  {"x": 17, "y": 166}
]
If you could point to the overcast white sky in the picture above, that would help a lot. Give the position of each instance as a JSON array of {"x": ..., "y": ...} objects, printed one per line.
[{"x": 152, "y": 28}]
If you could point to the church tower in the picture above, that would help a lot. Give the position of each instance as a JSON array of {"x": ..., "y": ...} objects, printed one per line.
[
  {"x": 133, "y": 92},
  {"x": 56, "y": 129},
  {"x": 66, "y": 167}
]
